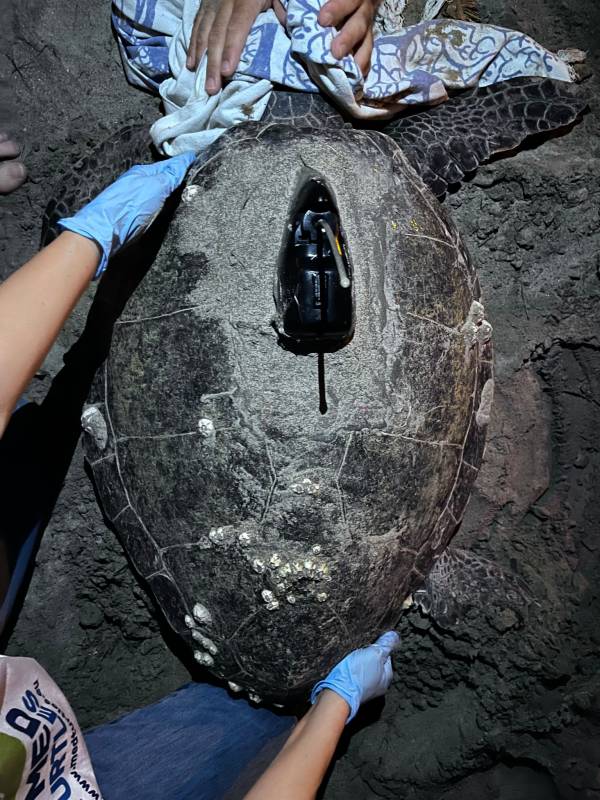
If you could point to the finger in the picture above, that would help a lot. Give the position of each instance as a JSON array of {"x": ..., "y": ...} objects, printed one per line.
[
  {"x": 335, "y": 11},
  {"x": 12, "y": 175},
  {"x": 216, "y": 42},
  {"x": 352, "y": 33},
  {"x": 388, "y": 642},
  {"x": 8, "y": 148},
  {"x": 171, "y": 170},
  {"x": 242, "y": 19},
  {"x": 388, "y": 673},
  {"x": 280, "y": 11},
  {"x": 199, "y": 36},
  {"x": 176, "y": 168},
  {"x": 363, "y": 55}
]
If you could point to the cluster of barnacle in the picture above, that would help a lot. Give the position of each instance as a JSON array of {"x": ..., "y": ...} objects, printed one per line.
[
  {"x": 282, "y": 575},
  {"x": 201, "y": 616}
]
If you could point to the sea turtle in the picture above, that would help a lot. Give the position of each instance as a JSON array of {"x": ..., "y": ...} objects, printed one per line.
[{"x": 280, "y": 522}]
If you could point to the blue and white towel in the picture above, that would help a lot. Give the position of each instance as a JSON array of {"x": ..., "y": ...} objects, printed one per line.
[{"x": 416, "y": 65}]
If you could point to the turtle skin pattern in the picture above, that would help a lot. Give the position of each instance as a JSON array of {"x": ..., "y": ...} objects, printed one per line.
[
  {"x": 447, "y": 142},
  {"x": 92, "y": 173}
]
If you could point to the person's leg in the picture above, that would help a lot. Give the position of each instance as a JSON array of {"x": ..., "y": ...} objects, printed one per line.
[
  {"x": 12, "y": 170},
  {"x": 192, "y": 745},
  {"x": 25, "y": 508}
]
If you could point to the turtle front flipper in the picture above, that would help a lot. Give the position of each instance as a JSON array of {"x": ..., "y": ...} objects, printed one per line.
[
  {"x": 88, "y": 176},
  {"x": 448, "y": 141},
  {"x": 460, "y": 581}
]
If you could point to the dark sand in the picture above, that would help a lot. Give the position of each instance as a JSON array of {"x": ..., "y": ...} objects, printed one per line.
[{"x": 488, "y": 709}]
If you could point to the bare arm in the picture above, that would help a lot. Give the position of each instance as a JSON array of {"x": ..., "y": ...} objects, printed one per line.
[
  {"x": 298, "y": 770},
  {"x": 36, "y": 300},
  {"x": 34, "y": 303}
]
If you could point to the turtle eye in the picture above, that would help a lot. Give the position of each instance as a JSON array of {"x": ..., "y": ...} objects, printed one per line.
[{"x": 315, "y": 299}]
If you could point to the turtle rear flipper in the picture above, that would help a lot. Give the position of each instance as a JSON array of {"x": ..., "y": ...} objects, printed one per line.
[
  {"x": 460, "y": 581},
  {"x": 94, "y": 172},
  {"x": 450, "y": 140}
]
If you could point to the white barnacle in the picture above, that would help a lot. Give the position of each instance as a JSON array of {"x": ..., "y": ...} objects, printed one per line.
[
  {"x": 206, "y": 643},
  {"x": 484, "y": 332},
  {"x": 189, "y": 193},
  {"x": 482, "y": 416},
  {"x": 306, "y": 486},
  {"x": 244, "y": 539},
  {"x": 204, "y": 658},
  {"x": 309, "y": 565},
  {"x": 202, "y": 614},
  {"x": 258, "y": 566},
  {"x": 189, "y": 621},
  {"x": 476, "y": 328},
  {"x": 291, "y": 599},
  {"x": 235, "y": 687},
  {"x": 94, "y": 424},
  {"x": 477, "y": 312},
  {"x": 285, "y": 569},
  {"x": 322, "y": 596},
  {"x": 297, "y": 567},
  {"x": 275, "y": 560},
  {"x": 216, "y": 535},
  {"x": 255, "y": 698},
  {"x": 316, "y": 550},
  {"x": 280, "y": 587},
  {"x": 270, "y": 600},
  {"x": 206, "y": 427}
]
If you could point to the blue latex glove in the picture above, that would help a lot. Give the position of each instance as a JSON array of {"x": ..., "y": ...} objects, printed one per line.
[
  {"x": 363, "y": 675},
  {"x": 126, "y": 208}
]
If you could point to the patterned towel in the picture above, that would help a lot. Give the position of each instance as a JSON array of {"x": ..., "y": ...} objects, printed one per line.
[{"x": 416, "y": 65}]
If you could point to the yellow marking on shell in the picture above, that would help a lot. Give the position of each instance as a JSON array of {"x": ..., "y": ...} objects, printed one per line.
[{"x": 415, "y": 225}]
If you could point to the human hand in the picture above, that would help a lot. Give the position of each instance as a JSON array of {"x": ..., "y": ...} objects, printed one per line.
[
  {"x": 126, "y": 208},
  {"x": 354, "y": 19},
  {"x": 363, "y": 674},
  {"x": 220, "y": 29}
]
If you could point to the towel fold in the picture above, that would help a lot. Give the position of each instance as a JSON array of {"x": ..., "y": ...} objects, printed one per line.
[{"x": 417, "y": 65}]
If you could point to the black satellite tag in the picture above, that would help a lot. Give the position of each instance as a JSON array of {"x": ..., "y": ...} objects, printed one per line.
[{"x": 314, "y": 274}]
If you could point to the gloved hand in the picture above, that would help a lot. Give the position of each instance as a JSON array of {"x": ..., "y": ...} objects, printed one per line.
[
  {"x": 363, "y": 674},
  {"x": 126, "y": 208}
]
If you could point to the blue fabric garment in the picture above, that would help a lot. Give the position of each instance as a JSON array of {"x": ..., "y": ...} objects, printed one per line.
[
  {"x": 18, "y": 573},
  {"x": 25, "y": 506},
  {"x": 198, "y": 743}
]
